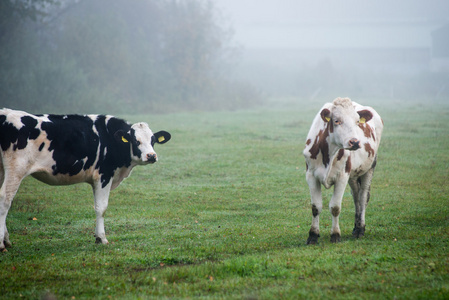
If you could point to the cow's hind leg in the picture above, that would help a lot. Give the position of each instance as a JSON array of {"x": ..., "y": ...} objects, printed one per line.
[
  {"x": 360, "y": 189},
  {"x": 101, "y": 196},
  {"x": 358, "y": 231},
  {"x": 7, "y": 192},
  {"x": 2, "y": 170}
]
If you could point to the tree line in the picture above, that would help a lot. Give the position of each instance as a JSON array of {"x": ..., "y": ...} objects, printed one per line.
[{"x": 116, "y": 57}]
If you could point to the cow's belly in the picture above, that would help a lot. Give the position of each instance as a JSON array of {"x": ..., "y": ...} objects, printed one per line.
[{"x": 62, "y": 179}]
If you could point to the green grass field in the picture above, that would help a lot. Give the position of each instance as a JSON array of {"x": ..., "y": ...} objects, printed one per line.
[{"x": 225, "y": 214}]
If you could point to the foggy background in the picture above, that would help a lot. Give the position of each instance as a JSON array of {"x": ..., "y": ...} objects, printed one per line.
[
  {"x": 358, "y": 48},
  {"x": 118, "y": 56}
]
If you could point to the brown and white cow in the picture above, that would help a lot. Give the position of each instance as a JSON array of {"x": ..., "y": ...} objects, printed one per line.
[
  {"x": 67, "y": 149},
  {"x": 341, "y": 147}
]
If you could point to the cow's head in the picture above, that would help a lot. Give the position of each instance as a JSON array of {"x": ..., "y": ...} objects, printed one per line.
[
  {"x": 142, "y": 141},
  {"x": 344, "y": 122}
]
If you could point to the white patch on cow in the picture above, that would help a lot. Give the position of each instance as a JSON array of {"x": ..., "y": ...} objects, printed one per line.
[
  {"x": 44, "y": 118},
  {"x": 14, "y": 117}
]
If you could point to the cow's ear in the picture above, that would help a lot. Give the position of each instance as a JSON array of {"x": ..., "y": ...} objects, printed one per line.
[
  {"x": 326, "y": 115},
  {"x": 122, "y": 137},
  {"x": 365, "y": 115},
  {"x": 162, "y": 137}
]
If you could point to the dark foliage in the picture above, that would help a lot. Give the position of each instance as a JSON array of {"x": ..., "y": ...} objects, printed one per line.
[{"x": 116, "y": 56}]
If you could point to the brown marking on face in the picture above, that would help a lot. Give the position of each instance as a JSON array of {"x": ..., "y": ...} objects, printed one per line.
[
  {"x": 367, "y": 130},
  {"x": 348, "y": 165},
  {"x": 335, "y": 211},
  {"x": 331, "y": 126},
  {"x": 369, "y": 149},
  {"x": 314, "y": 210},
  {"x": 320, "y": 145},
  {"x": 341, "y": 152},
  {"x": 308, "y": 142}
]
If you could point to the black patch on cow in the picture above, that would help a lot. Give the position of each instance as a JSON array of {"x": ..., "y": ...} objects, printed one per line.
[
  {"x": 41, "y": 146},
  {"x": 315, "y": 211},
  {"x": 11, "y": 135},
  {"x": 28, "y": 131},
  {"x": 74, "y": 143},
  {"x": 335, "y": 211},
  {"x": 8, "y": 133},
  {"x": 135, "y": 143},
  {"x": 113, "y": 153}
]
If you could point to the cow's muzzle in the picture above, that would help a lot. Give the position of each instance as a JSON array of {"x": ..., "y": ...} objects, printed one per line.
[
  {"x": 354, "y": 144},
  {"x": 151, "y": 158}
]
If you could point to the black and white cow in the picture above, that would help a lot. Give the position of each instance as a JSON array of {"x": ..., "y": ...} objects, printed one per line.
[
  {"x": 341, "y": 147},
  {"x": 66, "y": 149}
]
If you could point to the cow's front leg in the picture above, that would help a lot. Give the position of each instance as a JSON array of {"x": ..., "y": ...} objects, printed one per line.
[
  {"x": 317, "y": 206},
  {"x": 335, "y": 207},
  {"x": 101, "y": 195}
]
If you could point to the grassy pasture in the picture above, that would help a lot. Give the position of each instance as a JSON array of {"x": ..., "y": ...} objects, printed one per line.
[{"x": 225, "y": 213}]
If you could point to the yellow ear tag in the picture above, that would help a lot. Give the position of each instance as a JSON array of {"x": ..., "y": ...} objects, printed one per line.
[
  {"x": 362, "y": 120},
  {"x": 161, "y": 139},
  {"x": 124, "y": 140},
  {"x": 327, "y": 119}
]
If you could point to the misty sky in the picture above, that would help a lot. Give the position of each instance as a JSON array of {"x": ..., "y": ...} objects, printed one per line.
[{"x": 334, "y": 23}]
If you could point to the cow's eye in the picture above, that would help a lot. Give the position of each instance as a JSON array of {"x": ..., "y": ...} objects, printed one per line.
[
  {"x": 337, "y": 122},
  {"x": 138, "y": 143}
]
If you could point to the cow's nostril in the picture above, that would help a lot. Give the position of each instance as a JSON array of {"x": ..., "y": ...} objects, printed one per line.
[
  {"x": 152, "y": 157},
  {"x": 354, "y": 144}
]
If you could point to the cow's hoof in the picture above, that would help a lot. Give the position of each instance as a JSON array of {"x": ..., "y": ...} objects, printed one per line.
[
  {"x": 100, "y": 241},
  {"x": 335, "y": 238},
  {"x": 8, "y": 244},
  {"x": 313, "y": 238},
  {"x": 358, "y": 232},
  {"x": 3, "y": 250}
]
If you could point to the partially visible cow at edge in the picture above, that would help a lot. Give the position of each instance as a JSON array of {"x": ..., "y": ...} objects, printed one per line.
[
  {"x": 66, "y": 149},
  {"x": 341, "y": 147}
]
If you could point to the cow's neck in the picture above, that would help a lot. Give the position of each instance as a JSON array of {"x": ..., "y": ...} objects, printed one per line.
[
  {"x": 333, "y": 168},
  {"x": 333, "y": 151},
  {"x": 121, "y": 174}
]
